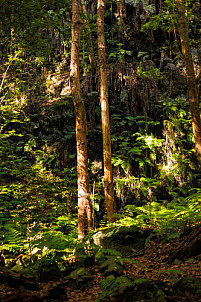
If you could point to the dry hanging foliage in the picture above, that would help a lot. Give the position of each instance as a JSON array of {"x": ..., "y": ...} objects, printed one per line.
[{"x": 140, "y": 91}]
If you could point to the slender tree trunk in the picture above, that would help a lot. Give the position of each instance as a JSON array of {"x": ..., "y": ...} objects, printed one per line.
[
  {"x": 89, "y": 40},
  {"x": 192, "y": 87},
  {"x": 84, "y": 207},
  {"x": 108, "y": 176}
]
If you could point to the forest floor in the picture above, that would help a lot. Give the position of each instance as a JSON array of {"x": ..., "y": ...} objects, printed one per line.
[{"x": 153, "y": 265}]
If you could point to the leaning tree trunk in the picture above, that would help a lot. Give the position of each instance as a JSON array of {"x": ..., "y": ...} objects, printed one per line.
[
  {"x": 189, "y": 247},
  {"x": 84, "y": 208},
  {"x": 108, "y": 176},
  {"x": 192, "y": 87}
]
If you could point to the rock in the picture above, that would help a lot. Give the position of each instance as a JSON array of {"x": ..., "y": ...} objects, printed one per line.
[
  {"x": 28, "y": 273},
  {"x": 109, "y": 261},
  {"x": 151, "y": 294},
  {"x": 189, "y": 284},
  {"x": 158, "y": 296},
  {"x": 190, "y": 260},
  {"x": 118, "y": 289},
  {"x": 112, "y": 266},
  {"x": 122, "y": 289},
  {"x": 17, "y": 280},
  {"x": 31, "y": 274},
  {"x": 17, "y": 268},
  {"x": 177, "y": 262},
  {"x": 126, "y": 240},
  {"x": 49, "y": 272},
  {"x": 79, "y": 278},
  {"x": 114, "y": 269},
  {"x": 45, "y": 273}
]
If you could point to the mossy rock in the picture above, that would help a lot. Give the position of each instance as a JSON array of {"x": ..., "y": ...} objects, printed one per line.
[
  {"x": 28, "y": 273},
  {"x": 109, "y": 261},
  {"x": 189, "y": 284},
  {"x": 112, "y": 266},
  {"x": 116, "y": 288},
  {"x": 17, "y": 268},
  {"x": 126, "y": 240},
  {"x": 79, "y": 278},
  {"x": 114, "y": 269},
  {"x": 151, "y": 294}
]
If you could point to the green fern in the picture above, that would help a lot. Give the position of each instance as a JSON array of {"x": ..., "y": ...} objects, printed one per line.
[
  {"x": 12, "y": 238},
  {"x": 104, "y": 254},
  {"x": 112, "y": 286}
]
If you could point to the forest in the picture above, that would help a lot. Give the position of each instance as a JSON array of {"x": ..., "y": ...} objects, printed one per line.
[{"x": 100, "y": 150}]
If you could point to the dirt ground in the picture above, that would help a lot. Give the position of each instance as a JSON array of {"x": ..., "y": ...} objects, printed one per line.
[{"x": 152, "y": 265}]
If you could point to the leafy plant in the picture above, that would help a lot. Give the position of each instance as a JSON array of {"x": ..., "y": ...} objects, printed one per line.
[
  {"x": 152, "y": 73},
  {"x": 159, "y": 217},
  {"x": 112, "y": 286},
  {"x": 145, "y": 3}
]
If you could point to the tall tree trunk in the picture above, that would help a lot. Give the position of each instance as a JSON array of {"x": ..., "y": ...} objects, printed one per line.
[
  {"x": 192, "y": 87},
  {"x": 108, "y": 176},
  {"x": 89, "y": 39},
  {"x": 84, "y": 207}
]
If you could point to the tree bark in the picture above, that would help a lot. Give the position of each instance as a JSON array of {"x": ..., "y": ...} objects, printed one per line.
[
  {"x": 108, "y": 176},
  {"x": 191, "y": 80},
  {"x": 189, "y": 247},
  {"x": 84, "y": 207}
]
